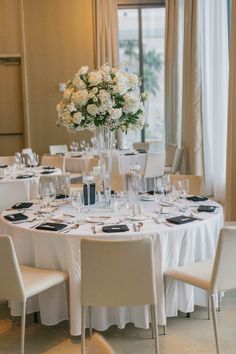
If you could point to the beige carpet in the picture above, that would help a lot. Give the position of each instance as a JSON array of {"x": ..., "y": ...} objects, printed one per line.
[{"x": 185, "y": 335}]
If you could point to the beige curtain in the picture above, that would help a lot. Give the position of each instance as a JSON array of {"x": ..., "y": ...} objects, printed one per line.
[
  {"x": 174, "y": 71},
  {"x": 105, "y": 32},
  {"x": 230, "y": 207},
  {"x": 192, "y": 136}
]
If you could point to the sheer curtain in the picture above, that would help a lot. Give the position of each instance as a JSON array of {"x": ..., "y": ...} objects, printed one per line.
[
  {"x": 198, "y": 111},
  {"x": 230, "y": 205}
]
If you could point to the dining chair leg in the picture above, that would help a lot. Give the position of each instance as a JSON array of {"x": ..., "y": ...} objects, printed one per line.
[
  {"x": 90, "y": 321},
  {"x": 83, "y": 330},
  {"x": 68, "y": 301},
  {"x": 22, "y": 350},
  {"x": 208, "y": 306},
  {"x": 155, "y": 323},
  {"x": 219, "y": 301},
  {"x": 152, "y": 321},
  {"x": 215, "y": 324}
]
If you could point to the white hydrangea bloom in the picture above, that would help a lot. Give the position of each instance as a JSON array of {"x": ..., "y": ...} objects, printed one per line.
[
  {"x": 71, "y": 107},
  {"x": 94, "y": 77},
  {"x": 80, "y": 98},
  {"x": 131, "y": 103}
]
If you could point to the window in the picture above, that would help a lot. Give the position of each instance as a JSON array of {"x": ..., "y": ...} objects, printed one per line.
[{"x": 141, "y": 47}]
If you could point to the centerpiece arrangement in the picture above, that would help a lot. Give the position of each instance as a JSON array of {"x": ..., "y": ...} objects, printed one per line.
[{"x": 102, "y": 101}]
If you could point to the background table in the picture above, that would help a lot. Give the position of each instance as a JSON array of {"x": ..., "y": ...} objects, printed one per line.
[{"x": 173, "y": 246}]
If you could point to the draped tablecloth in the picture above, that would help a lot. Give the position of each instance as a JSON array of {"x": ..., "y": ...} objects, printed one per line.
[{"x": 173, "y": 246}]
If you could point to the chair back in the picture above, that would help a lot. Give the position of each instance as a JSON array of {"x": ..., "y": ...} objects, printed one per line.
[
  {"x": 11, "y": 283},
  {"x": 55, "y": 161},
  {"x": 7, "y": 160},
  {"x": 170, "y": 154},
  {"x": 117, "y": 273},
  {"x": 177, "y": 160},
  {"x": 115, "y": 167},
  {"x": 58, "y": 149},
  {"x": 11, "y": 193},
  {"x": 98, "y": 345},
  {"x": 223, "y": 276},
  {"x": 141, "y": 146},
  {"x": 195, "y": 183},
  {"x": 155, "y": 165},
  {"x": 118, "y": 182},
  {"x": 93, "y": 162}
]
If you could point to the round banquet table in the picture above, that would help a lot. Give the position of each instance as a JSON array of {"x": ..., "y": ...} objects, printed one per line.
[
  {"x": 28, "y": 179},
  {"x": 173, "y": 246}
]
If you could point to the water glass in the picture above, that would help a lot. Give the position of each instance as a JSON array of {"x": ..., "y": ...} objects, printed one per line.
[{"x": 77, "y": 203}]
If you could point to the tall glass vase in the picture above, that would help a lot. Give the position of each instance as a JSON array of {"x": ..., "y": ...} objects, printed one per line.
[{"x": 105, "y": 146}]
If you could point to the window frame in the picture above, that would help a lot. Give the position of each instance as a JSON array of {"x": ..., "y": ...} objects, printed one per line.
[{"x": 139, "y": 5}]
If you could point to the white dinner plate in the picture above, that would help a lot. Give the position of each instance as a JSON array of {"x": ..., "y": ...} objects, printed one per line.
[{"x": 97, "y": 219}]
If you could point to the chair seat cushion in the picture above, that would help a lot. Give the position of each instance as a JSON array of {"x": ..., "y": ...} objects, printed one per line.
[
  {"x": 37, "y": 280},
  {"x": 197, "y": 274}
]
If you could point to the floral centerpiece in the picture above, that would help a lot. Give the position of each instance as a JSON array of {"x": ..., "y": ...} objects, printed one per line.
[{"x": 106, "y": 97}]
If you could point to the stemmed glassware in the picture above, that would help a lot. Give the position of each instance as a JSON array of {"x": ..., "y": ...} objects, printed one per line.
[
  {"x": 77, "y": 203},
  {"x": 64, "y": 185}
]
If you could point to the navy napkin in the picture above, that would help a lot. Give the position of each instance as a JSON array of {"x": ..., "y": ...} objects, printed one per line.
[
  {"x": 22, "y": 205},
  {"x": 50, "y": 226},
  {"x": 197, "y": 198},
  {"x": 182, "y": 219},
  {"x": 16, "y": 217},
  {"x": 48, "y": 168},
  {"x": 206, "y": 208},
  {"x": 62, "y": 196},
  {"x": 24, "y": 176},
  {"x": 3, "y": 166},
  {"x": 46, "y": 172},
  {"x": 115, "y": 228}
]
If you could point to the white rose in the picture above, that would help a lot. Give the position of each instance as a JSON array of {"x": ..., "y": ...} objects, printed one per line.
[
  {"x": 92, "y": 109},
  {"x": 94, "y": 77},
  {"x": 80, "y": 98},
  {"x": 115, "y": 113},
  {"x": 83, "y": 70},
  {"x": 95, "y": 90},
  {"x": 71, "y": 107},
  {"x": 131, "y": 103},
  {"x": 120, "y": 88},
  {"x": 77, "y": 117}
]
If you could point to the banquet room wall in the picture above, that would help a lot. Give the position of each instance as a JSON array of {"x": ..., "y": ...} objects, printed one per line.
[{"x": 56, "y": 39}]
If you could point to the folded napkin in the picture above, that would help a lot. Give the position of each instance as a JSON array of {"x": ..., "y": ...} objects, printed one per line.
[
  {"x": 142, "y": 151},
  {"x": 22, "y": 205},
  {"x": 76, "y": 156},
  {"x": 197, "y": 198},
  {"x": 182, "y": 219},
  {"x": 129, "y": 153},
  {"x": 48, "y": 168},
  {"x": 206, "y": 208},
  {"x": 115, "y": 228},
  {"x": 51, "y": 226},
  {"x": 24, "y": 176},
  {"x": 3, "y": 166},
  {"x": 16, "y": 217},
  {"x": 46, "y": 172},
  {"x": 62, "y": 196}
]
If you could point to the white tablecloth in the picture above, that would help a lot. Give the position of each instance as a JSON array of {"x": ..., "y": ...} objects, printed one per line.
[
  {"x": 77, "y": 164},
  {"x": 173, "y": 246}
]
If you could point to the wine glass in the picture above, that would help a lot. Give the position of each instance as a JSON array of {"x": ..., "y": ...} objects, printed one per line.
[
  {"x": 77, "y": 203},
  {"x": 165, "y": 181},
  {"x": 185, "y": 191},
  {"x": 64, "y": 184}
]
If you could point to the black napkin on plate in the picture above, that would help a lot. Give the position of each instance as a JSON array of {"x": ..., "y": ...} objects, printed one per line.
[
  {"x": 16, "y": 217},
  {"x": 115, "y": 228},
  {"x": 46, "y": 172},
  {"x": 206, "y": 208},
  {"x": 24, "y": 176},
  {"x": 197, "y": 198},
  {"x": 129, "y": 153},
  {"x": 76, "y": 156},
  {"x": 142, "y": 151},
  {"x": 3, "y": 166},
  {"x": 51, "y": 226},
  {"x": 22, "y": 205},
  {"x": 62, "y": 196},
  {"x": 48, "y": 168},
  {"x": 182, "y": 219}
]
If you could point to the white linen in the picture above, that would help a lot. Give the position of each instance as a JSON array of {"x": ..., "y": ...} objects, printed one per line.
[
  {"x": 77, "y": 164},
  {"x": 173, "y": 246}
]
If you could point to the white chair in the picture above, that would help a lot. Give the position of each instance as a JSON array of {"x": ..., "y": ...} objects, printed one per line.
[
  {"x": 98, "y": 345},
  {"x": 21, "y": 282},
  {"x": 55, "y": 161},
  {"x": 117, "y": 273},
  {"x": 11, "y": 193},
  {"x": 154, "y": 166},
  {"x": 213, "y": 276},
  {"x": 195, "y": 183},
  {"x": 27, "y": 151},
  {"x": 141, "y": 146},
  {"x": 7, "y": 160},
  {"x": 170, "y": 155},
  {"x": 58, "y": 149},
  {"x": 177, "y": 161}
]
